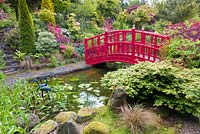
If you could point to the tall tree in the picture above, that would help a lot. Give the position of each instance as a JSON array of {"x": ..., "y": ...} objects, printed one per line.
[
  {"x": 177, "y": 10},
  {"x": 109, "y": 8},
  {"x": 27, "y": 34}
]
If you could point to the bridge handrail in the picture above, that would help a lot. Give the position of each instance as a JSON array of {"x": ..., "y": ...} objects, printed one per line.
[{"x": 106, "y": 46}]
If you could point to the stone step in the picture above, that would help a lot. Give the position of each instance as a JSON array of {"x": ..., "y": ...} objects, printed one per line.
[
  {"x": 11, "y": 73},
  {"x": 12, "y": 67},
  {"x": 8, "y": 56},
  {"x": 11, "y": 63}
]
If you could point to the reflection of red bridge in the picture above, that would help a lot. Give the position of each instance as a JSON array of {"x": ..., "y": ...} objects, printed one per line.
[{"x": 129, "y": 46}]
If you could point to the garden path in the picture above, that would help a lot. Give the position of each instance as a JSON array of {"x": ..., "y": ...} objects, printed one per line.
[{"x": 61, "y": 70}]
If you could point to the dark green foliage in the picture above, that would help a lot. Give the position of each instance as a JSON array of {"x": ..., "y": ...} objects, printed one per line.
[
  {"x": 61, "y": 6},
  {"x": 26, "y": 26},
  {"x": 177, "y": 10},
  {"x": 161, "y": 83}
]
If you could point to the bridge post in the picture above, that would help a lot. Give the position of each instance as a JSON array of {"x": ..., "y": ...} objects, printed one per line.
[
  {"x": 143, "y": 41},
  {"x": 86, "y": 47},
  {"x": 133, "y": 44},
  {"x": 106, "y": 44}
]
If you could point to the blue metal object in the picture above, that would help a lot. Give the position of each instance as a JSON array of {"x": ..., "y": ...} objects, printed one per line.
[{"x": 43, "y": 87}]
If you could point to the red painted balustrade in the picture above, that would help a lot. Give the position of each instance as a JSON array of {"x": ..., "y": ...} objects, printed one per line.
[{"x": 131, "y": 46}]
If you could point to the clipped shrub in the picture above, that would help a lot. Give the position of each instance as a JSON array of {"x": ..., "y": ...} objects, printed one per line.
[
  {"x": 139, "y": 119},
  {"x": 96, "y": 128},
  {"x": 47, "y": 16},
  {"x": 46, "y": 42},
  {"x": 161, "y": 83},
  {"x": 26, "y": 26},
  {"x": 12, "y": 38}
]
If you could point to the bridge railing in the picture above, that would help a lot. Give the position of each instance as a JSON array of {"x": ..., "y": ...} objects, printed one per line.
[{"x": 124, "y": 45}]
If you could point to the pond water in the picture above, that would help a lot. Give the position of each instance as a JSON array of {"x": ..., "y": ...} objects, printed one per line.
[{"x": 84, "y": 88}]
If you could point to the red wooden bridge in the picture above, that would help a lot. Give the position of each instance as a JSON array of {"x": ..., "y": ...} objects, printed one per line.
[{"x": 131, "y": 46}]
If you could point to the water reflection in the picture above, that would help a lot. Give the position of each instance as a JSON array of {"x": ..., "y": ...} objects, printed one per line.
[{"x": 83, "y": 89}]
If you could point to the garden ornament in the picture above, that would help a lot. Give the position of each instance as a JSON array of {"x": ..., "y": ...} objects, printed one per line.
[{"x": 43, "y": 87}]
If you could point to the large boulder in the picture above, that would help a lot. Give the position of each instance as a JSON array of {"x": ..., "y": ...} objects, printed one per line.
[
  {"x": 49, "y": 127},
  {"x": 31, "y": 119},
  {"x": 85, "y": 114},
  {"x": 96, "y": 128},
  {"x": 63, "y": 117},
  {"x": 68, "y": 127},
  {"x": 117, "y": 99}
]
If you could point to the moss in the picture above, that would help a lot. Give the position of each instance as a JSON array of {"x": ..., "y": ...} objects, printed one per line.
[
  {"x": 86, "y": 112},
  {"x": 96, "y": 128},
  {"x": 27, "y": 34},
  {"x": 104, "y": 115},
  {"x": 46, "y": 128},
  {"x": 65, "y": 116}
]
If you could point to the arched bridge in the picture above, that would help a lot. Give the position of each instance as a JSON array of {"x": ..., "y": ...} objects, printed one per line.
[{"x": 131, "y": 46}]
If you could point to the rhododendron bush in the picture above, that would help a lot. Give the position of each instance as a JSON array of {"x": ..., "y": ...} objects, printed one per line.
[{"x": 187, "y": 30}]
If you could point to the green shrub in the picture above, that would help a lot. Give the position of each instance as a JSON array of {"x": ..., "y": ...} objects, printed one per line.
[
  {"x": 46, "y": 16},
  {"x": 161, "y": 83},
  {"x": 185, "y": 53},
  {"x": 46, "y": 42},
  {"x": 53, "y": 62},
  {"x": 73, "y": 26},
  {"x": 69, "y": 52},
  {"x": 9, "y": 18},
  {"x": 12, "y": 38},
  {"x": 26, "y": 26}
]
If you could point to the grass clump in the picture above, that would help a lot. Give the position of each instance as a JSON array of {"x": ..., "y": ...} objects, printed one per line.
[{"x": 139, "y": 119}]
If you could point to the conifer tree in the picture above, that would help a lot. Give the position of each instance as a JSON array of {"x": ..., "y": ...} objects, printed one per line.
[{"x": 27, "y": 34}]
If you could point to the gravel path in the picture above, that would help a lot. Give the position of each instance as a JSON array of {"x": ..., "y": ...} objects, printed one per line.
[{"x": 61, "y": 70}]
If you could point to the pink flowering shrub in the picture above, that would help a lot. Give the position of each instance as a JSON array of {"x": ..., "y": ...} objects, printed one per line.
[
  {"x": 57, "y": 31},
  {"x": 185, "y": 30}
]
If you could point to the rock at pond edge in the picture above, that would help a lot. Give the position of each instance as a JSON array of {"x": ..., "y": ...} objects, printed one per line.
[
  {"x": 69, "y": 127},
  {"x": 47, "y": 127},
  {"x": 85, "y": 114},
  {"x": 117, "y": 99},
  {"x": 65, "y": 116},
  {"x": 96, "y": 128}
]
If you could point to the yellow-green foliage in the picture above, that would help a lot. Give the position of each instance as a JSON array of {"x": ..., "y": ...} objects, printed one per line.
[
  {"x": 96, "y": 128},
  {"x": 69, "y": 52},
  {"x": 47, "y": 4},
  {"x": 27, "y": 34},
  {"x": 47, "y": 15}
]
